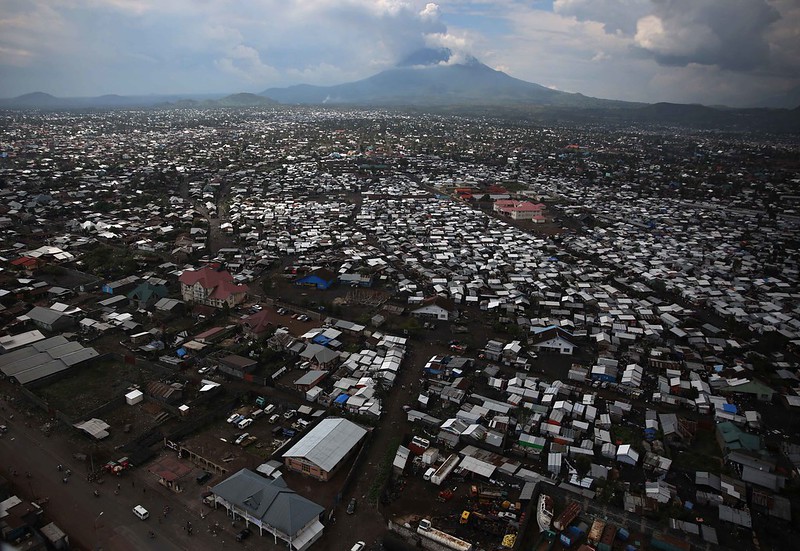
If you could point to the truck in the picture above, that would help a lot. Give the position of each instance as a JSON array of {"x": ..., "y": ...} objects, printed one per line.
[
  {"x": 596, "y": 532},
  {"x": 445, "y": 469},
  {"x": 419, "y": 445},
  {"x": 573, "y": 534},
  {"x": 482, "y": 493},
  {"x": 570, "y": 513},
  {"x": 426, "y": 530},
  {"x": 607, "y": 539}
]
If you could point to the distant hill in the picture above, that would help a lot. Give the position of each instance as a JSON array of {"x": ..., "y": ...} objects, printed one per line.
[
  {"x": 426, "y": 78},
  {"x": 243, "y": 100},
  {"x": 41, "y": 100},
  {"x": 659, "y": 114},
  {"x": 34, "y": 99}
]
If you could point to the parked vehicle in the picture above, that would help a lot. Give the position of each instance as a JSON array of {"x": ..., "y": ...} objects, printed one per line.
[
  {"x": 351, "y": 507},
  {"x": 358, "y": 546},
  {"x": 244, "y": 423},
  {"x": 243, "y": 534},
  {"x": 204, "y": 477},
  {"x": 274, "y": 417},
  {"x": 289, "y": 414},
  {"x": 141, "y": 512},
  {"x": 241, "y": 438},
  {"x": 426, "y": 530}
]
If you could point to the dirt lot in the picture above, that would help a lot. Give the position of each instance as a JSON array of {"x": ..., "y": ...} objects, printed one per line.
[
  {"x": 215, "y": 443},
  {"x": 92, "y": 385}
]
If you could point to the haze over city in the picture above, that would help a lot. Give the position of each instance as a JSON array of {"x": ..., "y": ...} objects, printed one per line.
[{"x": 732, "y": 52}]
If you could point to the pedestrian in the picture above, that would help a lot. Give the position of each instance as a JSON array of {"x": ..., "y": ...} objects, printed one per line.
[
  {"x": 144, "y": 490},
  {"x": 133, "y": 484}
]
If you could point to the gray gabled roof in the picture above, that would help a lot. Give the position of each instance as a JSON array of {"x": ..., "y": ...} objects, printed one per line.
[
  {"x": 268, "y": 500},
  {"x": 44, "y": 315},
  {"x": 43, "y": 359},
  {"x": 328, "y": 442}
]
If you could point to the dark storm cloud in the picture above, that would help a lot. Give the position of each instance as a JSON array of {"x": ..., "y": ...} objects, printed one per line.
[{"x": 730, "y": 34}]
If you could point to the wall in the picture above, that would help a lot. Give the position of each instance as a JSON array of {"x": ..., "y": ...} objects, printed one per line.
[{"x": 414, "y": 538}]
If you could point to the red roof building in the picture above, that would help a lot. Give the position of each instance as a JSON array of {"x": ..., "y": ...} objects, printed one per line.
[
  {"x": 213, "y": 287},
  {"x": 520, "y": 210}
]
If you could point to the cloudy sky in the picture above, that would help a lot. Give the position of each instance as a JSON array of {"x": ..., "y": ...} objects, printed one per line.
[{"x": 734, "y": 52}]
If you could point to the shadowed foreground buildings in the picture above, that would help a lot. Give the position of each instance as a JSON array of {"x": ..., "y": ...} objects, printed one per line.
[{"x": 271, "y": 507}]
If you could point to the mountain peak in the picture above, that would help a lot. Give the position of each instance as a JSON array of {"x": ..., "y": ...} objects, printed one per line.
[{"x": 427, "y": 57}]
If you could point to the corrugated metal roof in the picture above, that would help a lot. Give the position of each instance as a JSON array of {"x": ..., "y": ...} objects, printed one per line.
[
  {"x": 328, "y": 443},
  {"x": 270, "y": 501}
]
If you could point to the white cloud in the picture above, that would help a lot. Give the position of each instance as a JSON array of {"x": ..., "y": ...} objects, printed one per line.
[
  {"x": 651, "y": 50},
  {"x": 654, "y": 35},
  {"x": 430, "y": 11},
  {"x": 615, "y": 15},
  {"x": 245, "y": 63}
]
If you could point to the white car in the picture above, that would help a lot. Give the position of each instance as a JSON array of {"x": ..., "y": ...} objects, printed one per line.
[
  {"x": 270, "y": 408},
  {"x": 289, "y": 414},
  {"x": 244, "y": 423},
  {"x": 358, "y": 546},
  {"x": 141, "y": 512},
  {"x": 232, "y": 418},
  {"x": 241, "y": 438}
]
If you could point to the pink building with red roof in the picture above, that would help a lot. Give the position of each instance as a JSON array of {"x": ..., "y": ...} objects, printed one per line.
[
  {"x": 213, "y": 287},
  {"x": 520, "y": 210}
]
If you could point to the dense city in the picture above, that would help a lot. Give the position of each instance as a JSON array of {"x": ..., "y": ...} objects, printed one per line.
[{"x": 308, "y": 328}]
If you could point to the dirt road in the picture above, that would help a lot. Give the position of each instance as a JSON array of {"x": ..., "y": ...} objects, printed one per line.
[{"x": 104, "y": 522}]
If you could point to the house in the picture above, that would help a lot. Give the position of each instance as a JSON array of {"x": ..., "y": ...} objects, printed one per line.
[
  {"x": 437, "y": 307},
  {"x": 731, "y": 438},
  {"x": 552, "y": 339},
  {"x": 321, "y": 278},
  {"x": 319, "y": 355},
  {"x": 49, "y": 319},
  {"x": 626, "y": 454},
  {"x": 754, "y": 388},
  {"x": 355, "y": 280},
  {"x": 322, "y": 451},
  {"x": 520, "y": 210},
  {"x": 258, "y": 325},
  {"x": 169, "y": 305},
  {"x": 237, "y": 366},
  {"x": 270, "y": 506},
  {"x": 211, "y": 286},
  {"x": 310, "y": 380},
  {"x": 493, "y": 350},
  {"x": 146, "y": 294},
  {"x": 120, "y": 286}
]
